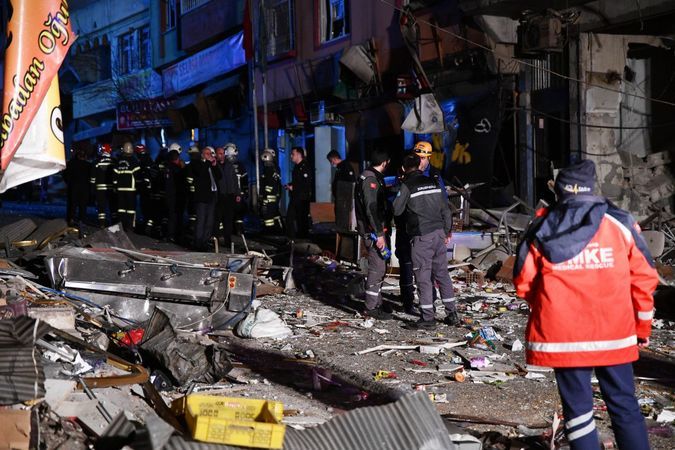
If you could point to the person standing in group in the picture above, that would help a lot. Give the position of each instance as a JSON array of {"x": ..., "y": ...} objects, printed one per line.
[
  {"x": 588, "y": 277},
  {"x": 343, "y": 171},
  {"x": 77, "y": 178},
  {"x": 125, "y": 179},
  {"x": 194, "y": 160},
  {"x": 270, "y": 192},
  {"x": 300, "y": 188},
  {"x": 102, "y": 181},
  {"x": 241, "y": 198},
  {"x": 173, "y": 174},
  {"x": 205, "y": 174},
  {"x": 145, "y": 187},
  {"x": 373, "y": 216},
  {"x": 429, "y": 224},
  {"x": 424, "y": 150},
  {"x": 228, "y": 189}
]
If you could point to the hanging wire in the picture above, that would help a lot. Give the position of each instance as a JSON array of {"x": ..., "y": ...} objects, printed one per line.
[{"x": 519, "y": 61}]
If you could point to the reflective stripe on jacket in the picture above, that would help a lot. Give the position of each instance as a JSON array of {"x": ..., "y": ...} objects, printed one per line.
[{"x": 588, "y": 310}]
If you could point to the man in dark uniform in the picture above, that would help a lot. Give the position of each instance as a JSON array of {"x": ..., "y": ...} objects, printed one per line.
[
  {"x": 125, "y": 179},
  {"x": 241, "y": 199},
  {"x": 77, "y": 180},
  {"x": 228, "y": 189},
  {"x": 102, "y": 182},
  {"x": 194, "y": 156},
  {"x": 173, "y": 173},
  {"x": 206, "y": 173},
  {"x": 428, "y": 223},
  {"x": 270, "y": 192},
  {"x": 343, "y": 171},
  {"x": 145, "y": 187},
  {"x": 160, "y": 217},
  {"x": 302, "y": 182},
  {"x": 372, "y": 219}
]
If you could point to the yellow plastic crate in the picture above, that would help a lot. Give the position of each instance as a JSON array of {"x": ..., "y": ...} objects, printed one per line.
[{"x": 233, "y": 421}]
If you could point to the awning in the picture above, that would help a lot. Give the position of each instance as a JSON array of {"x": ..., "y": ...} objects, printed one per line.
[
  {"x": 105, "y": 128},
  {"x": 182, "y": 102},
  {"x": 221, "y": 85}
]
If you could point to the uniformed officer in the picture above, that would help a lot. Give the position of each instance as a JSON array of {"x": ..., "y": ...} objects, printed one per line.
[
  {"x": 343, "y": 171},
  {"x": 424, "y": 150},
  {"x": 173, "y": 173},
  {"x": 241, "y": 199},
  {"x": 145, "y": 187},
  {"x": 372, "y": 220},
  {"x": 102, "y": 182},
  {"x": 228, "y": 190},
  {"x": 77, "y": 181},
  {"x": 194, "y": 156},
  {"x": 270, "y": 188},
  {"x": 429, "y": 224},
  {"x": 125, "y": 179},
  {"x": 300, "y": 188},
  {"x": 160, "y": 214}
]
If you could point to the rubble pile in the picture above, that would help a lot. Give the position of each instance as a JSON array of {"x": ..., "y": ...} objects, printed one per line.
[{"x": 104, "y": 344}]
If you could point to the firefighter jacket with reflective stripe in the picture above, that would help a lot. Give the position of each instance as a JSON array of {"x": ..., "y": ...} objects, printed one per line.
[
  {"x": 270, "y": 185},
  {"x": 242, "y": 178},
  {"x": 588, "y": 277},
  {"x": 102, "y": 173},
  {"x": 424, "y": 204},
  {"x": 373, "y": 213},
  {"x": 125, "y": 175}
]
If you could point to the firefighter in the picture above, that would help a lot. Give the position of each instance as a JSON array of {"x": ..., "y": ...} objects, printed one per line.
[
  {"x": 300, "y": 188},
  {"x": 241, "y": 199},
  {"x": 173, "y": 174},
  {"x": 126, "y": 176},
  {"x": 270, "y": 187},
  {"x": 145, "y": 188},
  {"x": 586, "y": 272},
  {"x": 428, "y": 224},
  {"x": 77, "y": 178},
  {"x": 373, "y": 215},
  {"x": 102, "y": 181},
  {"x": 195, "y": 157}
]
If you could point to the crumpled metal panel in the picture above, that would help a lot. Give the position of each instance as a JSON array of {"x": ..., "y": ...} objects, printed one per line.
[{"x": 199, "y": 290}]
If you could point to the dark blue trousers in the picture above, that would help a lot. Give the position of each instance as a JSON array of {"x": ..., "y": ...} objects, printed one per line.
[{"x": 618, "y": 391}]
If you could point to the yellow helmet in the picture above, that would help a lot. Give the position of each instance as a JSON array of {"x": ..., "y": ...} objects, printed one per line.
[
  {"x": 423, "y": 149},
  {"x": 128, "y": 148}
]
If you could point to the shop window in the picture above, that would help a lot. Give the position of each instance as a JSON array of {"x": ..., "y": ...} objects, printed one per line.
[
  {"x": 279, "y": 28},
  {"x": 333, "y": 19}
]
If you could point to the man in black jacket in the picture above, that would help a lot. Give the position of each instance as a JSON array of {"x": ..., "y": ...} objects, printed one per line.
[
  {"x": 428, "y": 223},
  {"x": 205, "y": 174},
  {"x": 173, "y": 175},
  {"x": 302, "y": 182},
  {"x": 372, "y": 220}
]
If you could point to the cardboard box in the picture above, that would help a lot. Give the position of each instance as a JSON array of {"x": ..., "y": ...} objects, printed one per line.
[{"x": 14, "y": 429}]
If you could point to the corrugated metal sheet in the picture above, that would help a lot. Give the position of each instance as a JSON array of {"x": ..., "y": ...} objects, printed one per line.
[
  {"x": 411, "y": 423},
  {"x": 20, "y": 331},
  {"x": 21, "y": 373}
]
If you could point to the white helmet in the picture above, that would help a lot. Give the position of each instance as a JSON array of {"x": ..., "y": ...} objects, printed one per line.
[
  {"x": 193, "y": 149},
  {"x": 231, "y": 151},
  {"x": 268, "y": 155},
  {"x": 175, "y": 146},
  {"x": 128, "y": 148}
]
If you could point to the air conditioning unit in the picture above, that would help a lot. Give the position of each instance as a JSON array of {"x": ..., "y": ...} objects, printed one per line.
[{"x": 540, "y": 34}]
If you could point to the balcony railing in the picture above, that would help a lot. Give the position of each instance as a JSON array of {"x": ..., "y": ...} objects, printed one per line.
[{"x": 188, "y": 5}]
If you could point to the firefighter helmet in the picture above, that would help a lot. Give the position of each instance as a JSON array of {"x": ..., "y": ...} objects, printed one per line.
[
  {"x": 127, "y": 148},
  {"x": 193, "y": 149},
  {"x": 423, "y": 149},
  {"x": 231, "y": 151},
  {"x": 140, "y": 149},
  {"x": 268, "y": 155},
  {"x": 175, "y": 146},
  {"x": 104, "y": 149}
]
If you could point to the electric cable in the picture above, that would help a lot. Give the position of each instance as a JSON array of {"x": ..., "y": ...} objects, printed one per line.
[{"x": 520, "y": 61}]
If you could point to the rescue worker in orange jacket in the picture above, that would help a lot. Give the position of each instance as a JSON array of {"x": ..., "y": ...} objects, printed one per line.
[{"x": 587, "y": 274}]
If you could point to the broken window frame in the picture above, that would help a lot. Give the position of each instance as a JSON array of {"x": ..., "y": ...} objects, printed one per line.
[
  {"x": 280, "y": 43},
  {"x": 329, "y": 28}
]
